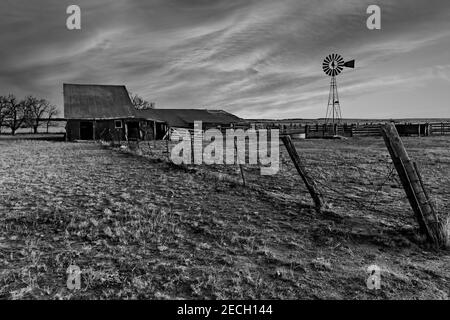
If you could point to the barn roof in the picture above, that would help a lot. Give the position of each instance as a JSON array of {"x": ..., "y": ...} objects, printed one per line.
[
  {"x": 186, "y": 117},
  {"x": 86, "y": 101}
]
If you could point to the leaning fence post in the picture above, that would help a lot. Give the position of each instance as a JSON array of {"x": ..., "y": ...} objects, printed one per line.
[
  {"x": 429, "y": 222},
  {"x": 309, "y": 182}
]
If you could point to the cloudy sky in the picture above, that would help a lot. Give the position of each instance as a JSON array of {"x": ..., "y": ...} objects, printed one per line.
[{"x": 257, "y": 59}]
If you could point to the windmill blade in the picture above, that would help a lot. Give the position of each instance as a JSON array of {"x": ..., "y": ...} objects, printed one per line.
[{"x": 350, "y": 64}]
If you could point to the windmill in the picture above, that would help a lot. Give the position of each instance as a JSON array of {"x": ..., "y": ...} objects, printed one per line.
[{"x": 332, "y": 66}]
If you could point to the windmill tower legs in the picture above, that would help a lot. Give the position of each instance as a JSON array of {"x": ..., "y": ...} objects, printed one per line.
[{"x": 334, "y": 115}]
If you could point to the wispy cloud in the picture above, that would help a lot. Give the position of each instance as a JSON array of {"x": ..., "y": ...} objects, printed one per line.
[{"x": 254, "y": 58}]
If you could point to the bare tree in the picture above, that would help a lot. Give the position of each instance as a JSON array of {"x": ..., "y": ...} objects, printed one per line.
[
  {"x": 140, "y": 103},
  {"x": 52, "y": 112},
  {"x": 15, "y": 113},
  {"x": 35, "y": 111},
  {"x": 3, "y": 111}
]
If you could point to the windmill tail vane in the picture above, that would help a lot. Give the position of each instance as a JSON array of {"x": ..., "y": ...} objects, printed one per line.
[{"x": 350, "y": 64}]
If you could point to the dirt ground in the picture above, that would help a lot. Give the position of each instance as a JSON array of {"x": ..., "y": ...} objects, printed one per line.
[{"x": 140, "y": 228}]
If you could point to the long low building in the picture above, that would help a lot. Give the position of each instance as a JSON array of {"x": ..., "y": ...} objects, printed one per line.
[
  {"x": 185, "y": 118},
  {"x": 96, "y": 112}
]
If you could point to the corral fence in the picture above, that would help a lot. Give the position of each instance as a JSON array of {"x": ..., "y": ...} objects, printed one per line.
[
  {"x": 440, "y": 129},
  {"x": 311, "y": 131}
]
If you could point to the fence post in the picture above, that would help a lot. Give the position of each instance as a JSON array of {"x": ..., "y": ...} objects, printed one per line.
[
  {"x": 429, "y": 223},
  {"x": 167, "y": 149},
  {"x": 239, "y": 162},
  {"x": 93, "y": 130},
  {"x": 309, "y": 182}
]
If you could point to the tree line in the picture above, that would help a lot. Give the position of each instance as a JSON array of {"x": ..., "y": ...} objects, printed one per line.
[{"x": 29, "y": 112}]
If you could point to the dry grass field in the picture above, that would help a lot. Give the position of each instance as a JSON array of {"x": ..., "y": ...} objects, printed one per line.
[{"x": 140, "y": 228}]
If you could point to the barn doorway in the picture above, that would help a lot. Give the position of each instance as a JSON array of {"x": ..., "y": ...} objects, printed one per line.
[
  {"x": 86, "y": 130},
  {"x": 133, "y": 130},
  {"x": 161, "y": 130}
]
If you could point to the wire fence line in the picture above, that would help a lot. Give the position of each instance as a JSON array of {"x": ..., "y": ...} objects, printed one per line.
[
  {"x": 337, "y": 195},
  {"x": 350, "y": 178},
  {"x": 335, "y": 187}
]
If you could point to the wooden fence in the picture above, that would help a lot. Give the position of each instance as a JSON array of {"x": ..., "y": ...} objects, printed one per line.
[
  {"x": 369, "y": 130},
  {"x": 310, "y": 131},
  {"x": 440, "y": 129}
]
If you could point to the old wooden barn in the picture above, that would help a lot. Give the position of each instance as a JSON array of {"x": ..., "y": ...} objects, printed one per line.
[{"x": 98, "y": 111}]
